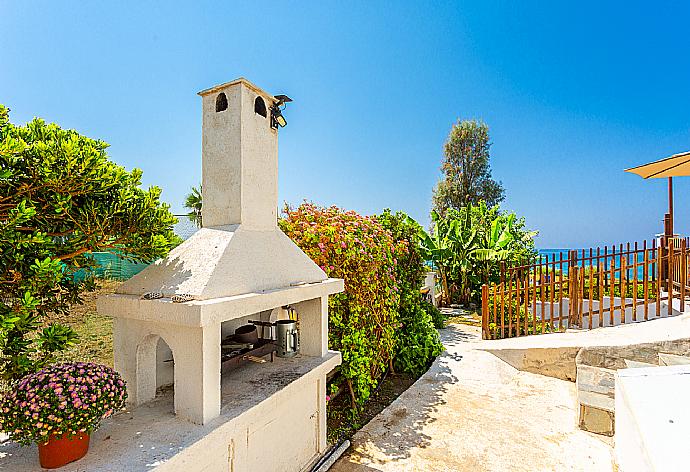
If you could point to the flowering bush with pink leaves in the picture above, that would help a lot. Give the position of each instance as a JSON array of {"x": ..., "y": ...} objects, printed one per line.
[
  {"x": 363, "y": 319},
  {"x": 61, "y": 399}
]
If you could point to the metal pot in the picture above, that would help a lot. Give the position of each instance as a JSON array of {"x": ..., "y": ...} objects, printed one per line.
[
  {"x": 247, "y": 334},
  {"x": 287, "y": 338}
]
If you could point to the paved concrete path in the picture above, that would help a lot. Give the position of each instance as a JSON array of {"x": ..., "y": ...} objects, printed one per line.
[{"x": 473, "y": 412}]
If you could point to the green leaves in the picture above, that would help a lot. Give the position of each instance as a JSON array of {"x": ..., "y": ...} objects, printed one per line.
[
  {"x": 29, "y": 303},
  {"x": 194, "y": 202},
  {"x": 362, "y": 319},
  {"x": 56, "y": 338},
  {"x": 417, "y": 342},
  {"x": 466, "y": 170},
  {"x": 61, "y": 199},
  {"x": 468, "y": 245}
]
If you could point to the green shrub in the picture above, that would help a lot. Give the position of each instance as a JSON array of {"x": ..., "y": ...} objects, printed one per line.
[
  {"x": 417, "y": 342},
  {"x": 61, "y": 200},
  {"x": 437, "y": 317},
  {"x": 362, "y": 319}
]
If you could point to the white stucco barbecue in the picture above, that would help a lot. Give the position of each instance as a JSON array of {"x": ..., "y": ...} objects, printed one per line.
[{"x": 239, "y": 266}]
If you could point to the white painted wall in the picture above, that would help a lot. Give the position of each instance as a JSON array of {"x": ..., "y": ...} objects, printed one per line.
[
  {"x": 552, "y": 312},
  {"x": 285, "y": 433},
  {"x": 196, "y": 352},
  {"x": 652, "y": 418},
  {"x": 240, "y": 159},
  {"x": 430, "y": 283}
]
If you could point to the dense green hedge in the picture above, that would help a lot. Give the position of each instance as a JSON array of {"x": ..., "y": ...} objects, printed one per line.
[
  {"x": 379, "y": 320},
  {"x": 417, "y": 342},
  {"x": 362, "y": 319}
]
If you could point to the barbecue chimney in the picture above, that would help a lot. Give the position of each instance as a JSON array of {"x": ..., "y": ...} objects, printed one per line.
[
  {"x": 240, "y": 163},
  {"x": 240, "y": 248}
]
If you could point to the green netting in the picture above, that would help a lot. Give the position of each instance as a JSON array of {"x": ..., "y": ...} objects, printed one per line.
[{"x": 110, "y": 266}]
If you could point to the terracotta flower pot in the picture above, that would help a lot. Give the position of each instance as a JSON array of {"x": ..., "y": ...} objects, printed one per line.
[{"x": 61, "y": 450}]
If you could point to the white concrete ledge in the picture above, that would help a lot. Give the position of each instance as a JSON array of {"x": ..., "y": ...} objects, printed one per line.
[
  {"x": 652, "y": 418},
  {"x": 150, "y": 437},
  {"x": 198, "y": 313},
  {"x": 653, "y": 330}
]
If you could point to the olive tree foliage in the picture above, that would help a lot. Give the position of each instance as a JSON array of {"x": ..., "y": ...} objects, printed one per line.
[
  {"x": 466, "y": 170},
  {"x": 61, "y": 199}
]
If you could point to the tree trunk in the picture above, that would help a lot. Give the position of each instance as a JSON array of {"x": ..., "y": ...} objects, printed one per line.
[
  {"x": 352, "y": 394},
  {"x": 444, "y": 282}
]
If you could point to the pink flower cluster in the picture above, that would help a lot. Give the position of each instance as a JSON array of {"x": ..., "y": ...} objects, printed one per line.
[{"x": 61, "y": 399}]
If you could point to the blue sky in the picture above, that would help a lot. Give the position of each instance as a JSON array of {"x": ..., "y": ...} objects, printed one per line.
[{"x": 573, "y": 93}]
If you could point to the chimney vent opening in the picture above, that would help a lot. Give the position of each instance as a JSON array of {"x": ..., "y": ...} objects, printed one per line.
[
  {"x": 260, "y": 106},
  {"x": 221, "y": 102}
]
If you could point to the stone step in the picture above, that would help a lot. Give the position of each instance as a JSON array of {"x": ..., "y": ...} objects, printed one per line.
[
  {"x": 630, "y": 364},
  {"x": 595, "y": 396},
  {"x": 673, "y": 359},
  {"x": 596, "y": 386}
]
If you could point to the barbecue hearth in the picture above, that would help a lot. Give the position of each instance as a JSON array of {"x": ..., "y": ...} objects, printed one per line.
[{"x": 238, "y": 267}]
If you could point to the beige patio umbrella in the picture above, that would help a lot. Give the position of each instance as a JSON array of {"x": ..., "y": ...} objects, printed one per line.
[{"x": 677, "y": 165}]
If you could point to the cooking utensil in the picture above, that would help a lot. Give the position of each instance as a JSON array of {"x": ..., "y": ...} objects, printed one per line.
[
  {"x": 287, "y": 338},
  {"x": 247, "y": 334},
  {"x": 264, "y": 325}
]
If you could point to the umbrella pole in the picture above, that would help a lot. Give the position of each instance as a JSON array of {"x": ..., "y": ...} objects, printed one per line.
[{"x": 670, "y": 202}]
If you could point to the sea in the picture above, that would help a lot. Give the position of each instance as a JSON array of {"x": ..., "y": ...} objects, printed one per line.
[
  {"x": 562, "y": 254},
  {"x": 551, "y": 252}
]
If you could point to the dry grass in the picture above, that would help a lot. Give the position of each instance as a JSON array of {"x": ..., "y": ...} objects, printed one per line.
[
  {"x": 460, "y": 316},
  {"x": 95, "y": 331}
]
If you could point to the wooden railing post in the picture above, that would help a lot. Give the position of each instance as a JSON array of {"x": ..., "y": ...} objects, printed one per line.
[
  {"x": 665, "y": 242},
  {"x": 683, "y": 274},
  {"x": 669, "y": 277},
  {"x": 621, "y": 280},
  {"x": 571, "y": 295},
  {"x": 572, "y": 261},
  {"x": 485, "y": 311},
  {"x": 574, "y": 295}
]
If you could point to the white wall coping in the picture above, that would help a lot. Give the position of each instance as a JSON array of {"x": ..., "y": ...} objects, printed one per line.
[
  {"x": 199, "y": 313},
  {"x": 652, "y": 418}
]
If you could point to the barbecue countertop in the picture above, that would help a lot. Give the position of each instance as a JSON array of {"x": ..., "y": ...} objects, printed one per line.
[{"x": 144, "y": 437}]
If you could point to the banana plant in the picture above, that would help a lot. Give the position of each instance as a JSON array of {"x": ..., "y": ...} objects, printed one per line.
[
  {"x": 468, "y": 244},
  {"x": 464, "y": 243},
  {"x": 436, "y": 247},
  {"x": 495, "y": 245}
]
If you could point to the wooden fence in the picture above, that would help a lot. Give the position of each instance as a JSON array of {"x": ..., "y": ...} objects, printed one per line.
[{"x": 588, "y": 289}]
